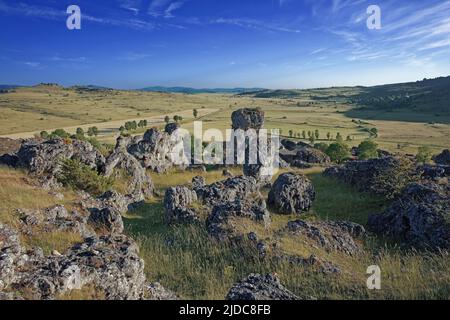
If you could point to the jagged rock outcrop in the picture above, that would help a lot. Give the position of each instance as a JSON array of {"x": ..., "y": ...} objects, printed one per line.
[
  {"x": 220, "y": 222},
  {"x": 288, "y": 144},
  {"x": 53, "y": 219},
  {"x": 311, "y": 155},
  {"x": 198, "y": 182},
  {"x": 291, "y": 193},
  {"x": 420, "y": 217},
  {"x": 153, "y": 150},
  {"x": 330, "y": 235},
  {"x": 107, "y": 219},
  {"x": 247, "y": 119},
  {"x": 140, "y": 184},
  {"x": 110, "y": 263},
  {"x": 176, "y": 205},
  {"x": 260, "y": 287},
  {"x": 443, "y": 158},
  {"x": 155, "y": 291},
  {"x": 433, "y": 172},
  {"x": 43, "y": 158},
  {"x": 227, "y": 191},
  {"x": 10, "y": 255}
]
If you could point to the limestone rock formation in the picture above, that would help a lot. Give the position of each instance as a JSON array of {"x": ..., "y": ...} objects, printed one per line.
[
  {"x": 420, "y": 217},
  {"x": 152, "y": 150},
  {"x": 260, "y": 287},
  {"x": 311, "y": 155},
  {"x": 247, "y": 119},
  {"x": 43, "y": 158},
  {"x": 443, "y": 158},
  {"x": 176, "y": 205},
  {"x": 291, "y": 193},
  {"x": 220, "y": 222},
  {"x": 228, "y": 190},
  {"x": 330, "y": 235},
  {"x": 140, "y": 185},
  {"x": 107, "y": 218}
]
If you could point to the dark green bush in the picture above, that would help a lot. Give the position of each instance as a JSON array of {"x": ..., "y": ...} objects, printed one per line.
[{"x": 79, "y": 176}]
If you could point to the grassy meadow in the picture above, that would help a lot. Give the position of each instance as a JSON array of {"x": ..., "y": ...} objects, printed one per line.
[
  {"x": 29, "y": 110},
  {"x": 185, "y": 259}
]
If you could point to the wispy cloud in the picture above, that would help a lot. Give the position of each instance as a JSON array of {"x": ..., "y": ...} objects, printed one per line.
[
  {"x": 164, "y": 8},
  {"x": 254, "y": 24},
  {"x": 49, "y": 13},
  {"x": 134, "y": 56}
]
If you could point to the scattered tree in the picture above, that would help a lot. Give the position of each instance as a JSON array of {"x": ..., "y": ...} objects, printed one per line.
[
  {"x": 338, "y": 152},
  {"x": 317, "y": 134},
  {"x": 368, "y": 150},
  {"x": 167, "y": 119},
  {"x": 424, "y": 154},
  {"x": 195, "y": 113},
  {"x": 80, "y": 132}
]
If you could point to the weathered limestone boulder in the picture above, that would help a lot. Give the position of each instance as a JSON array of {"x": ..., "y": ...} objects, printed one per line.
[
  {"x": 229, "y": 190},
  {"x": 107, "y": 219},
  {"x": 152, "y": 150},
  {"x": 44, "y": 158},
  {"x": 9, "y": 160},
  {"x": 155, "y": 291},
  {"x": 140, "y": 184},
  {"x": 176, "y": 205},
  {"x": 53, "y": 219},
  {"x": 247, "y": 119},
  {"x": 260, "y": 287},
  {"x": 420, "y": 217},
  {"x": 198, "y": 182},
  {"x": 443, "y": 158},
  {"x": 433, "y": 172},
  {"x": 111, "y": 264},
  {"x": 311, "y": 155},
  {"x": 291, "y": 193},
  {"x": 221, "y": 224},
  {"x": 288, "y": 144},
  {"x": 330, "y": 235},
  {"x": 10, "y": 255}
]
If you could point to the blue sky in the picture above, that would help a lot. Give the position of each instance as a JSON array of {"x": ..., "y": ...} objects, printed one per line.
[{"x": 226, "y": 43}]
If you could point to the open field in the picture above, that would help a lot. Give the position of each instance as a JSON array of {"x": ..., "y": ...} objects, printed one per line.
[{"x": 27, "y": 111}]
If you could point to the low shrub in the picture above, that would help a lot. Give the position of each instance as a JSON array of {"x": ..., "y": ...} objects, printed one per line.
[{"x": 79, "y": 176}]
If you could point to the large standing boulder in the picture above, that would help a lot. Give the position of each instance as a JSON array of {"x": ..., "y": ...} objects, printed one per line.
[
  {"x": 260, "y": 287},
  {"x": 420, "y": 217},
  {"x": 140, "y": 184},
  {"x": 292, "y": 193},
  {"x": 247, "y": 119},
  {"x": 443, "y": 158},
  {"x": 176, "y": 204}
]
